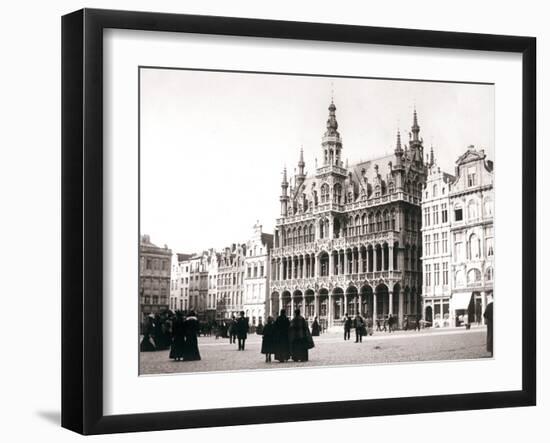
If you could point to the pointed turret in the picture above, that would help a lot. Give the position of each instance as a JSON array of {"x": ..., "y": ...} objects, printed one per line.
[
  {"x": 301, "y": 176},
  {"x": 284, "y": 194},
  {"x": 432, "y": 160},
  {"x": 415, "y": 144},
  {"x": 398, "y": 151},
  {"x": 415, "y": 129}
]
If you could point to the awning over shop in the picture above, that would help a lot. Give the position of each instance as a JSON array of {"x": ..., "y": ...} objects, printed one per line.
[{"x": 461, "y": 300}]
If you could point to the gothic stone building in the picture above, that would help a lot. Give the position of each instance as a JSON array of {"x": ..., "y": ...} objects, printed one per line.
[
  {"x": 348, "y": 238},
  {"x": 154, "y": 277}
]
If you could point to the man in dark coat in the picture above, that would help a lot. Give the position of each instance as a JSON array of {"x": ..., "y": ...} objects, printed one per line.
[
  {"x": 282, "y": 324},
  {"x": 488, "y": 315},
  {"x": 177, "y": 350},
  {"x": 299, "y": 337},
  {"x": 359, "y": 328},
  {"x": 315, "y": 328},
  {"x": 232, "y": 330},
  {"x": 347, "y": 327},
  {"x": 241, "y": 329},
  {"x": 268, "y": 339},
  {"x": 148, "y": 342},
  {"x": 191, "y": 331}
]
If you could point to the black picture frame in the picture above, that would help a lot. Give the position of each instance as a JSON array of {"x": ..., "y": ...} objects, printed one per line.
[{"x": 82, "y": 219}]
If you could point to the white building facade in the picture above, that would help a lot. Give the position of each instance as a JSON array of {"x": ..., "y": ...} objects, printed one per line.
[
  {"x": 472, "y": 202},
  {"x": 256, "y": 277},
  {"x": 436, "y": 253},
  {"x": 458, "y": 236}
]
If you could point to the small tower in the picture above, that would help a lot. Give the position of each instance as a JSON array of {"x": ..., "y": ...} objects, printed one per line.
[
  {"x": 332, "y": 142},
  {"x": 284, "y": 195},
  {"x": 415, "y": 143},
  {"x": 432, "y": 160},
  {"x": 398, "y": 152},
  {"x": 301, "y": 176}
]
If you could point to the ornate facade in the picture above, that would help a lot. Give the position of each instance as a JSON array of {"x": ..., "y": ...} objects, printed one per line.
[
  {"x": 256, "y": 278},
  {"x": 436, "y": 253},
  {"x": 472, "y": 202},
  {"x": 231, "y": 269},
  {"x": 348, "y": 238},
  {"x": 179, "y": 282}
]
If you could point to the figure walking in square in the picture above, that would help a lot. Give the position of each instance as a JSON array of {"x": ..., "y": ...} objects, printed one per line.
[
  {"x": 241, "y": 329},
  {"x": 268, "y": 339},
  {"x": 299, "y": 337},
  {"x": 191, "y": 331}
]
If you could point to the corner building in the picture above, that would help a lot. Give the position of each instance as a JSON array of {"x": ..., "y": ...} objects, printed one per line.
[{"x": 348, "y": 239}]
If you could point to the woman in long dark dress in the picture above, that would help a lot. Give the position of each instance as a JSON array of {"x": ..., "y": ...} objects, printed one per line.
[
  {"x": 191, "y": 330},
  {"x": 315, "y": 328},
  {"x": 299, "y": 337},
  {"x": 268, "y": 339},
  {"x": 148, "y": 343},
  {"x": 282, "y": 351},
  {"x": 178, "y": 338}
]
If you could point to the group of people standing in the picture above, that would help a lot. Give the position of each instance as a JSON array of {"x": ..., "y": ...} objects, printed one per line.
[
  {"x": 287, "y": 338},
  {"x": 360, "y": 326},
  {"x": 238, "y": 330},
  {"x": 179, "y": 334}
]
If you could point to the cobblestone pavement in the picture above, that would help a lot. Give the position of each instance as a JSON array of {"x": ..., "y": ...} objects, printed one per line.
[{"x": 330, "y": 350}]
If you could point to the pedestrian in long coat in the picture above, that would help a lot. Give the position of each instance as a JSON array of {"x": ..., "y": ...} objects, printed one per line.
[
  {"x": 488, "y": 315},
  {"x": 241, "y": 329},
  {"x": 299, "y": 337},
  {"x": 347, "y": 327},
  {"x": 177, "y": 350},
  {"x": 315, "y": 328},
  {"x": 232, "y": 330},
  {"x": 360, "y": 330},
  {"x": 191, "y": 330},
  {"x": 282, "y": 324},
  {"x": 268, "y": 339},
  {"x": 148, "y": 342}
]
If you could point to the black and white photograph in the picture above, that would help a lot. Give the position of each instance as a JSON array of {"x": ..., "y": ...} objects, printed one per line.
[{"x": 298, "y": 221}]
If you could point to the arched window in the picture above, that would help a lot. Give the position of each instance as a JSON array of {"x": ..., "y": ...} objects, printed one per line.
[
  {"x": 393, "y": 220},
  {"x": 337, "y": 193},
  {"x": 378, "y": 221},
  {"x": 364, "y": 223},
  {"x": 299, "y": 235},
  {"x": 434, "y": 191},
  {"x": 489, "y": 274},
  {"x": 371, "y": 222},
  {"x": 311, "y": 234},
  {"x": 324, "y": 193},
  {"x": 386, "y": 221},
  {"x": 474, "y": 247},
  {"x": 474, "y": 275}
]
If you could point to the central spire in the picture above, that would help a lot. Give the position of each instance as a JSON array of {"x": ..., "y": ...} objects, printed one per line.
[
  {"x": 332, "y": 143},
  {"x": 332, "y": 123}
]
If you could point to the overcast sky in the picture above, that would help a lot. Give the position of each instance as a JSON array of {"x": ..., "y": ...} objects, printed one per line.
[{"x": 214, "y": 144}]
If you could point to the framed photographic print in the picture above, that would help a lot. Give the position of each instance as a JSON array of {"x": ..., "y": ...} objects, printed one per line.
[{"x": 281, "y": 221}]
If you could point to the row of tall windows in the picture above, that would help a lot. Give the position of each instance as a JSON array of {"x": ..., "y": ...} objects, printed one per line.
[
  {"x": 439, "y": 276},
  {"x": 438, "y": 245},
  {"x": 431, "y": 215}
]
